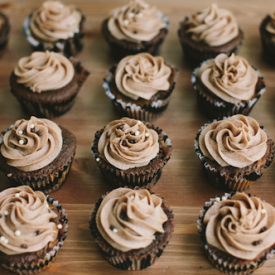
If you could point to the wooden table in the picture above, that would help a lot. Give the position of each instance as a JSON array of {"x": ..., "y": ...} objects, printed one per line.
[{"x": 182, "y": 183}]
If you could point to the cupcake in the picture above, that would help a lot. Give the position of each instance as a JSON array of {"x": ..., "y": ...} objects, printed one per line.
[
  {"x": 131, "y": 227},
  {"x": 131, "y": 153},
  {"x": 134, "y": 28},
  {"x": 37, "y": 153},
  {"x": 55, "y": 26},
  {"x": 237, "y": 232},
  {"x": 226, "y": 86},
  {"x": 140, "y": 86},
  {"x": 234, "y": 152},
  {"x": 4, "y": 30},
  {"x": 208, "y": 33},
  {"x": 46, "y": 83},
  {"x": 33, "y": 228},
  {"x": 267, "y": 33}
]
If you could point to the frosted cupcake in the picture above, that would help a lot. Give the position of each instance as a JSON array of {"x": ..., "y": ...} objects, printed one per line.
[
  {"x": 234, "y": 152},
  {"x": 4, "y": 31},
  {"x": 134, "y": 28},
  {"x": 237, "y": 232},
  {"x": 131, "y": 227}
]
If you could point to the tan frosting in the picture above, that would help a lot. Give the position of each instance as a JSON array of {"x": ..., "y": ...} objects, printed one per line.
[
  {"x": 25, "y": 211},
  {"x": 237, "y": 141},
  {"x": 213, "y": 26},
  {"x": 44, "y": 71},
  {"x": 142, "y": 75},
  {"x": 128, "y": 219},
  {"x": 229, "y": 78},
  {"x": 270, "y": 26},
  {"x": 241, "y": 226},
  {"x": 54, "y": 20},
  {"x": 136, "y": 21},
  {"x": 128, "y": 143},
  {"x": 32, "y": 144}
]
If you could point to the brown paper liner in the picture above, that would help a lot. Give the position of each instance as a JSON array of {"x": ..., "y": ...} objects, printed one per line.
[
  {"x": 224, "y": 261},
  {"x": 232, "y": 178},
  {"x": 139, "y": 258},
  {"x": 143, "y": 177},
  {"x": 31, "y": 267}
]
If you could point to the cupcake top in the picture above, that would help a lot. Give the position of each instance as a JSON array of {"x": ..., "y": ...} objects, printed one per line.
[
  {"x": 137, "y": 21},
  {"x": 212, "y": 26},
  {"x": 270, "y": 26},
  {"x": 44, "y": 71},
  {"x": 236, "y": 141},
  {"x": 142, "y": 75},
  {"x": 25, "y": 221},
  {"x": 128, "y": 143},
  {"x": 31, "y": 144},
  {"x": 242, "y": 226},
  {"x": 128, "y": 219},
  {"x": 230, "y": 78},
  {"x": 54, "y": 21}
]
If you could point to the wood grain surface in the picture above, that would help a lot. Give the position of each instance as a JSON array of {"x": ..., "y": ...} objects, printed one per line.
[{"x": 182, "y": 183}]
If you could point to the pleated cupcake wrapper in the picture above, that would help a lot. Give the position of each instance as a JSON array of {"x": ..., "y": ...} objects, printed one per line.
[
  {"x": 225, "y": 264},
  {"x": 130, "y": 261},
  {"x": 68, "y": 47},
  {"x": 43, "y": 263},
  {"x": 213, "y": 109},
  {"x": 223, "y": 181}
]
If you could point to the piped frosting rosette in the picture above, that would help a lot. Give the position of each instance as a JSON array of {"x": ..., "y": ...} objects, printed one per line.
[
  {"x": 234, "y": 152},
  {"x": 237, "y": 232}
]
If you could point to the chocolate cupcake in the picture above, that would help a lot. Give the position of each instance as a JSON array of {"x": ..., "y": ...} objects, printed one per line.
[
  {"x": 131, "y": 153},
  {"x": 37, "y": 153},
  {"x": 31, "y": 239},
  {"x": 50, "y": 89},
  {"x": 237, "y": 232},
  {"x": 55, "y": 26},
  {"x": 140, "y": 86},
  {"x": 131, "y": 227},
  {"x": 208, "y": 33},
  {"x": 226, "y": 86},
  {"x": 234, "y": 152},
  {"x": 134, "y": 28},
  {"x": 4, "y": 31}
]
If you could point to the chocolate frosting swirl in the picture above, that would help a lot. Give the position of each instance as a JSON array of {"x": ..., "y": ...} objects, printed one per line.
[
  {"x": 44, "y": 71},
  {"x": 229, "y": 78},
  {"x": 213, "y": 26},
  {"x": 242, "y": 226},
  {"x": 32, "y": 144},
  {"x": 128, "y": 219},
  {"x": 142, "y": 75},
  {"x": 128, "y": 143},
  {"x": 25, "y": 224},
  {"x": 237, "y": 141},
  {"x": 55, "y": 20},
  {"x": 270, "y": 26},
  {"x": 136, "y": 22}
]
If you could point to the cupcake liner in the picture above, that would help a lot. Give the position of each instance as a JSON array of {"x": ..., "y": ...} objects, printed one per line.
[
  {"x": 229, "y": 264},
  {"x": 134, "y": 259},
  {"x": 225, "y": 181},
  {"x": 214, "y": 107},
  {"x": 4, "y": 33},
  {"x": 68, "y": 47},
  {"x": 28, "y": 268},
  {"x": 148, "y": 111},
  {"x": 143, "y": 177}
]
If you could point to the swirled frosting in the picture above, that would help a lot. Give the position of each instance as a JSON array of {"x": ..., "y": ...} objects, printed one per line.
[
  {"x": 128, "y": 143},
  {"x": 242, "y": 226},
  {"x": 270, "y": 26},
  {"x": 32, "y": 144},
  {"x": 229, "y": 78},
  {"x": 128, "y": 219},
  {"x": 25, "y": 221},
  {"x": 142, "y": 75},
  {"x": 136, "y": 22},
  {"x": 55, "y": 20},
  {"x": 213, "y": 26},
  {"x": 237, "y": 141},
  {"x": 44, "y": 71}
]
